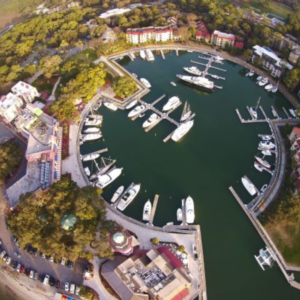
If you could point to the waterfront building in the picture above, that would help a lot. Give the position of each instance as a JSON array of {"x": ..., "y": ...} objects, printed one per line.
[
  {"x": 154, "y": 274},
  {"x": 270, "y": 60},
  {"x": 202, "y": 33},
  {"x": 295, "y": 135},
  {"x": 9, "y": 106},
  {"x": 280, "y": 42},
  {"x": 172, "y": 22},
  {"x": 222, "y": 39},
  {"x": 121, "y": 241},
  {"x": 114, "y": 12},
  {"x": 294, "y": 56},
  {"x": 149, "y": 34},
  {"x": 26, "y": 91}
]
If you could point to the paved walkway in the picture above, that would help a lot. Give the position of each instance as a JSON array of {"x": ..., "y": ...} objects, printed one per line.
[
  {"x": 52, "y": 97},
  {"x": 109, "y": 64}
]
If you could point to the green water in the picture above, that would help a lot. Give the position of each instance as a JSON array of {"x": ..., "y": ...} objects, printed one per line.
[{"x": 211, "y": 157}]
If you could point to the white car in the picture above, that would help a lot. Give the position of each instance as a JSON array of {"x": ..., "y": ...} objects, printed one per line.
[
  {"x": 31, "y": 274},
  {"x": 17, "y": 254},
  {"x": 77, "y": 290},
  {"x": 46, "y": 279},
  {"x": 2, "y": 254},
  {"x": 72, "y": 288},
  {"x": 67, "y": 286},
  {"x": 8, "y": 260},
  {"x": 18, "y": 268},
  {"x": 63, "y": 261}
]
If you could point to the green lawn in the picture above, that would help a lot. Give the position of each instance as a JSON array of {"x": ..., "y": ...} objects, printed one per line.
[{"x": 88, "y": 55}]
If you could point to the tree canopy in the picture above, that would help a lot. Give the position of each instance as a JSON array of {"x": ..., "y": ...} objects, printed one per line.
[{"x": 124, "y": 86}]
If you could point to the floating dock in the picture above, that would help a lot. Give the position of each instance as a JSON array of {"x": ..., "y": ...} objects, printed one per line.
[
  {"x": 96, "y": 152},
  {"x": 274, "y": 112},
  {"x": 153, "y": 210},
  {"x": 286, "y": 113}
]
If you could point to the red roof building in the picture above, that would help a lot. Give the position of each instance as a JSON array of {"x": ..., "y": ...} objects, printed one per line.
[
  {"x": 222, "y": 39},
  {"x": 239, "y": 44},
  {"x": 295, "y": 134},
  {"x": 202, "y": 32}
]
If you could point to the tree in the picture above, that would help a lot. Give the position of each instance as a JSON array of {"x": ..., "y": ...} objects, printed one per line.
[
  {"x": 181, "y": 248},
  {"x": 63, "y": 109},
  {"x": 10, "y": 158},
  {"x": 124, "y": 86},
  {"x": 291, "y": 78},
  {"x": 50, "y": 65},
  {"x": 247, "y": 55},
  {"x": 87, "y": 293},
  {"x": 155, "y": 241}
]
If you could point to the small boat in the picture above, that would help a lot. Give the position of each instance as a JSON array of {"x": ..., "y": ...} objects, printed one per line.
[
  {"x": 264, "y": 187},
  {"x": 172, "y": 102},
  {"x": 136, "y": 111},
  {"x": 151, "y": 120},
  {"x": 251, "y": 73},
  {"x": 117, "y": 194},
  {"x": 259, "y": 78},
  {"x": 91, "y": 130},
  {"x": 215, "y": 76},
  {"x": 190, "y": 51},
  {"x": 179, "y": 214},
  {"x": 266, "y": 137},
  {"x": 92, "y": 122},
  {"x": 134, "y": 75},
  {"x": 94, "y": 116},
  {"x": 87, "y": 171},
  {"x": 263, "y": 82},
  {"x": 263, "y": 162},
  {"x": 274, "y": 89},
  {"x": 186, "y": 113},
  {"x": 143, "y": 54},
  {"x": 265, "y": 258},
  {"x": 266, "y": 145},
  {"x": 173, "y": 83},
  {"x": 145, "y": 82},
  {"x": 292, "y": 112},
  {"x": 258, "y": 167},
  {"x": 107, "y": 178},
  {"x": 110, "y": 106},
  {"x": 89, "y": 157},
  {"x": 106, "y": 164},
  {"x": 131, "y": 104},
  {"x": 189, "y": 210},
  {"x": 193, "y": 70},
  {"x": 97, "y": 105},
  {"x": 90, "y": 137},
  {"x": 147, "y": 211},
  {"x": 149, "y": 55},
  {"x": 266, "y": 152},
  {"x": 218, "y": 58},
  {"x": 249, "y": 186},
  {"x": 141, "y": 115},
  {"x": 182, "y": 130},
  {"x": 128, "y": 196},
  {"x": 269, "y": 87},
  {"x": 253, "y": 112}
]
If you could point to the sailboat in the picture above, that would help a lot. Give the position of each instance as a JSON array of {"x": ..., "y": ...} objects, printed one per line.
[
  {"x": 253, "y": 110},
  {"x": 186, "y": 112},
  {"x": 106, "y": 164}
]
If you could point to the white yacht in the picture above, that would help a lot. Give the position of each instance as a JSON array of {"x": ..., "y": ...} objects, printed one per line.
[
  {"x": 136, "y": 111},
  {"x": 269, "y": 87},
  {"x": 258, "y": 167},
  {"x": 131, "y": 104},
  {"x": 149, "y": 55},
  {"x": 218, "y": 58},
  {"x": 259, "y": 78},
  {"x": 186, "y": 113},
  {"x": 92, "y": 122},
  {"x": 107, "y": 178},
  {"x": 199, "y": 81},
  {"x": 292, "y": 112},
  {"x": 172, "y": 102},
  {"x": 89, "y": 156},
  {"x": 253, "y": 112},
  {"x": 263, "y": 162},
  {"x": 215, "y": 76},
  {"x": 128, "y": 196},
  {"x": 249, "y": 186},
  {"x": 143, "y": 54},
  {"x": 266, "y": 145},
  {"x": 145, "y": 82},
  {"x": 151, "y": 120},
  {"x": 147, "y": 211},
  {"x": 189, "y": 210},
  {"x": 266, "y": 137},
  {"x": 263, "y": 188},
  {"x": 173, "y": 83},
  {"x": 265, "y": 258},
  {"x": 266, "y": 152},
  {"x": 92, "y": 130},
  {"x": 110, "y": 106},
  {"x": 275, "y": 89},
  {"x": 251, "y": 73},
  {"x": 87, "y": 171},
  {"x": 179, "y": 214},
  {"x": 263, "y": 82},
  {"x": 182, "y": 130},
  {"x": 117, "y": 194},
  {"x": 193, "y": 70},
  {"x": 90, "y": 137}
]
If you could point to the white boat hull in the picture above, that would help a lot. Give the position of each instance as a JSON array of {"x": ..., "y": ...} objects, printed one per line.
[
  {"x": 131, "y": 104},
  {"x": 189, "y": 210},
  {"x": 249, "y": 186},
  {"x": 127, "y": 199},
  {"x": 107, "y": 178},
  {"x": 182, "y": 130},
  {"x": 136, "y": 111},
  {"x": 117, "y": 194},
  {"x": 147, "y": 211},
  {"x": 172, "y": 102}
]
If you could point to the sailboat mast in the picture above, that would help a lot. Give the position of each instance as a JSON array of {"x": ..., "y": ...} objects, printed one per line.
[{"x": 258, "y": 101}]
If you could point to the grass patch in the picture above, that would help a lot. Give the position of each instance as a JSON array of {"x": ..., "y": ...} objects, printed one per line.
[
  {"x": 88, "y": 55},
  {"x": 44, "y": 85}
]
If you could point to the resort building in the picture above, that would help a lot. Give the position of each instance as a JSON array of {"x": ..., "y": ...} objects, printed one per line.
[
  {"x": 280, "y": 42},
  {"x": 202, "y": 33},
  {"x": 154, "y": 274},
  {"x": 149, "y": 34},
  {"x": 25, "y": 90},
  {"x": 270, "y": 60},
  {"x": 222, "y": 39},
  {"x": 9, "y": 106},
  {"x": 122, "y": 242},
  {"x": 294, "y": 56},
  {"x": 294, "y": 138},
  {"x": 114, "y": 12}
]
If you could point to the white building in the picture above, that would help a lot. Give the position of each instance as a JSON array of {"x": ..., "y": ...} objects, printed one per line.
[
  {"x": 114, "y": 12},
  {"x": 9, "y": 106},
  {"x": 222, "y": 39},
  {"x": 25, "y": 90},
  {"x": 149, "y": 34}
]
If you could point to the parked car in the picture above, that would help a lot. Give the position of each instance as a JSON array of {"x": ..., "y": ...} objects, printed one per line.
[
  {"x": 18, "y": 268},
  {"x": 17, "y": 254},
  {"x": 8, "y": 260},
  {"x": 2, "y": 254},
  {"x": 72, "y": 288},
  {"x": 51, "y": 259},
  {"x": 42, "y": 255},
  {"x": 14, "y": 264},
  {"x": 22, "y": 269},
  {"x": 31, "y": 274},
  {"x": 67, "y": 286},
  {"x": 27, "y": 272},
  {"x": 70, "y": 264},
  {"x": 63, "y": 261},
  {"x": 77, "y": 290},
  {"x": 51, "y": 281},
  {"x": 46, "y": 279},
  {"x": 15, "y": 240},
  {"x": 36, "y": 276}
]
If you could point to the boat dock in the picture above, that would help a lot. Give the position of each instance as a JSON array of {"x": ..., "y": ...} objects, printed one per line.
[
  {"x": 248, "y": 121},
  {"x": 286, "y": 113},
  {"x": 96, "y": 152},
  {"x": 162, "y": 54},
  {"x": 250, "y": 113},
  {"x": 257, "y": 191},
  {"x": 263, "y": 112},
  {"x": 153, "y": 209},
  {"x": 219, "y": 77},
  {"x": 208, "y": 65},
  {"x": 176, "y": 50},
  {"x": 183, "y": 213}
]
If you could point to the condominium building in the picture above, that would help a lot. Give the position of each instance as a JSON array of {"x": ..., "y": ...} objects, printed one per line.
[
  {"x": 222, "y": 39},
  {"x": 9, "y": 106},
  {"x": 149, "y": 34},
  {"x": 25, "y": 90}
]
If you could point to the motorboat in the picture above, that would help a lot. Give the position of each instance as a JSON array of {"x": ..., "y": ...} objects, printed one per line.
[
  {"x": 275, "y": 89},
  {"x": 266, "y": 152},
  {"x": 253, "y": 112},
  {"x": 90, "y": 137},
  {"x": 215, "y": 76},
  {"x": 105, "y": 165},
  {"x": 292, "y": 112},
  {"x": 131, "y": 104},
  {"x": 266, "y": 145},
  {"x": 179, "y": 214},
  {"x": 142, "y": 115},
  {"x": 92, "y": 122},
  {"x": 145, "y": 82},
  {"x": 186, "y": 113},
  {"x": 95, "y": 116},
  {"x": 172, "y": 102},
  {"x": 143, "y": 54},
  {"x": 259, "y": 78},
  {"x": 173, "y": 83},
  {"x": 269, "y": 87},
  {"x": 266, "y": 137},
  {"x": 263, "y": 82},
  {"x": 107, "y": 178},
  {"x": 117, "y": 194},
  {"x": 151, "y": 120},
  {"x": 182, "y": 130},
  {"x": 136, "y": 111},
  {"x": 249, "y": 186},
  {"x": 147, "y": 211},
  {"x": 202, "y": 82},
  {"x": 263, "y": 162},
  {"x": 218, "y": 58},
  {"x": 92, "y": 130},
  {"x": 149, "y": 55},
  {"x": 251, "y": 73},
  {"x": 89, "y": 157},
  {"x": 263, "y": 188},
  {"x": 110, "y": 106},
  {"x": 97, "y": 105},
  {"x": 258, "y": 167},
  {"x": 128, "y": 196},
  {"x": 193, "y": 70},
  {"x": 189, "y": 210},
  {"x": 265, "y": 258},
  {"x": 87, "y": 171}
]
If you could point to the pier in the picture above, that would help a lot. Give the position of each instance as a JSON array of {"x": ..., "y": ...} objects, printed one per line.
[
  {"x": 286, "y": 113},
  {"x": 162, "y": 54},
  {"x": 248, "y": 121},
  {"x": 183, "y": 213},
  {"x": 208, "y": 65},
  {"x": 153, "y": 209},
  {"x": 131, "y": 56},
  {"x": 95, "y": 152},
  {"x": 219, "y": 77},
  {"x": 250, "y": 113},
  {"x": 263, "y": 112},
  {"x": 275, "y": 114}
]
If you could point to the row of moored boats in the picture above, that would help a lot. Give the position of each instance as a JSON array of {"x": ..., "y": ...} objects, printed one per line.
[{"x": 264, "y": 81}]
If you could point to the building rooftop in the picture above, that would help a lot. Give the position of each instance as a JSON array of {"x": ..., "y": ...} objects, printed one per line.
[
  {"x": 8, "y": 100},
  {"x": 223, "y": 34},
  {"x": 150, "y": 29}
]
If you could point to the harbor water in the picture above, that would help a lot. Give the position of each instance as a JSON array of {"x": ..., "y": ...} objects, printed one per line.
[{"x": 214, "y": 155}]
